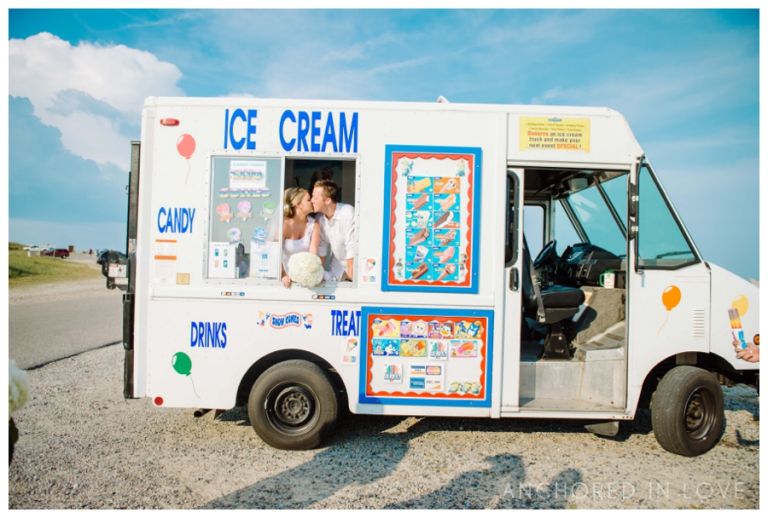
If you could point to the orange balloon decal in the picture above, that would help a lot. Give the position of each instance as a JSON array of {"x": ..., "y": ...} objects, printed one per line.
[{"x": 670, "y": 297}]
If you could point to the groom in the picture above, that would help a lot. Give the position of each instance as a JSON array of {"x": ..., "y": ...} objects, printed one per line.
[{"x": 338, "y": 229}]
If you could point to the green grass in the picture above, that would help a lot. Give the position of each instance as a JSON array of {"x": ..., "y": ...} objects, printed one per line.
[{"x": 27, "y": 271}]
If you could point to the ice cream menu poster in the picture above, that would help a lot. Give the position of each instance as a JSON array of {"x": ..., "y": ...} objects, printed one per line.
[
  {"x": 431, "y": 226},
  {"x": 426, "y": 356}
]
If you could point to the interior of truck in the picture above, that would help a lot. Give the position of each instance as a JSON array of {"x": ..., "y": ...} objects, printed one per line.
[{"x": 573, "y": 288}]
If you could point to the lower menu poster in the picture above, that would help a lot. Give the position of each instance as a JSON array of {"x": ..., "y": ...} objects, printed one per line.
[{"x": 430, "y": 357}]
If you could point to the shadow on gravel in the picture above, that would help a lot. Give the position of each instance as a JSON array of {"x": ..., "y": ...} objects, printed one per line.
[
  {"x": 349, "y": 422},
  {"x": 332, "y": 468},
  {"x": 502, "y": 486},
  {"x": 746, "y": 442},
  {"x": 370, "y": 437},
  {"x": 385, "y": 441}
]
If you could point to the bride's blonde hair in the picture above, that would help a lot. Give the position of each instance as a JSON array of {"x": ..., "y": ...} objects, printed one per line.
[{"x": 291, "y": 198}]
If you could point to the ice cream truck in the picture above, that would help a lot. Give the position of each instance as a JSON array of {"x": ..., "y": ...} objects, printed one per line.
[{"x": 510, "y": 262}]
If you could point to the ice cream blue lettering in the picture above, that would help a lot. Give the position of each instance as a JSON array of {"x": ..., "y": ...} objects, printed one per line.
[
  {"x": 287, "y": 144},
  {"x": 248, "y": 140},
  {"x": 348, "y": 134},
  {"x": 319, "y": 132}
]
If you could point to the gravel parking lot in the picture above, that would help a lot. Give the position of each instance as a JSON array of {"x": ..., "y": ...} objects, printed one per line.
[{"x": 83, "y": 446}]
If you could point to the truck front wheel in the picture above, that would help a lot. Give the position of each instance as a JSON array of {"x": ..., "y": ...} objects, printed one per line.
[
  {"x": 293, "y": 405},
  {"x": 687, "y": 411}
]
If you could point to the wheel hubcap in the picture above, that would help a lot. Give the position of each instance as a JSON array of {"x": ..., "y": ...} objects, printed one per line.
[
  {"x": 294, "y": 407},
  {"x": 291, "y": 408},
  {"x": 699, "y": 413}
]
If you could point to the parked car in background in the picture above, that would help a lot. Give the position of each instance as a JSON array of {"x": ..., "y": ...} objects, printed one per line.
[
  {"x": 106, "y": 257},
  {"x": 110, "y": 256},
  {"x": 62, "y": 253}
]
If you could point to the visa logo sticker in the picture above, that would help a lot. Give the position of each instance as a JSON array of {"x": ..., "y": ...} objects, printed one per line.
[{"x": 418, "y": 370}]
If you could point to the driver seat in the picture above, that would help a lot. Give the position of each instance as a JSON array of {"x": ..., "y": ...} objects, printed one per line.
[{"x": 559, "y": 303}]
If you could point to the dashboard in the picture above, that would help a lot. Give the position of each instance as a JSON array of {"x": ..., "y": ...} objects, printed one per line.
[{"x": 582, "y": 263}]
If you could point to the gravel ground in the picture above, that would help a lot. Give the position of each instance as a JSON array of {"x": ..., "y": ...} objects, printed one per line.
[{"x": 83, "y": 446}]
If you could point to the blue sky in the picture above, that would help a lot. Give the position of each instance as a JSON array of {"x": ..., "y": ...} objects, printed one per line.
[{"x": 686, "y": 80}]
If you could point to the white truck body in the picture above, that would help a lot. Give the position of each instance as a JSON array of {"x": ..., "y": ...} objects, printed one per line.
[{"x": 207, "y": 316}]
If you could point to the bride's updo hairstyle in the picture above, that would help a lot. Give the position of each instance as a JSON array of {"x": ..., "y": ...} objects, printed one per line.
[{"x": 291, "y": 198}]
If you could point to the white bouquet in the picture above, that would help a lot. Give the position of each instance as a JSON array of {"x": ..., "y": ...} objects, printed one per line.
[
  {"x": 306, "y": 269},
  {"x": 18, "y": 387}
]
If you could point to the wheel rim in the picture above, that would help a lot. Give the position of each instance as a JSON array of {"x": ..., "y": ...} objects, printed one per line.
[
  {"x": 291, "y": 408},
  {"x": 700, "y": 413}
]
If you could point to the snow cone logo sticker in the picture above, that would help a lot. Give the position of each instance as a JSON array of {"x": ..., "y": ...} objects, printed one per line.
[{"x": 292, "y": 319}]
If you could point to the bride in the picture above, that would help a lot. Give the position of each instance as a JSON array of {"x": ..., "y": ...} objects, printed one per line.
[{"x": 301, "y": 233}]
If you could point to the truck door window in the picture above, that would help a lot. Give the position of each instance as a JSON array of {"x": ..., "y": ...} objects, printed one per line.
[
  {"x": 565, "y": 232},
  {"x": 533, "y": 221},
  {"x": 661, "y": 242},
  {"x": 616, "y": 190}
]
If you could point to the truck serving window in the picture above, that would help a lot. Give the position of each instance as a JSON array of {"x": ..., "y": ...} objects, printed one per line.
[
  {"x": 661, "y": 242},
  {"x": 245, "y": 233}
]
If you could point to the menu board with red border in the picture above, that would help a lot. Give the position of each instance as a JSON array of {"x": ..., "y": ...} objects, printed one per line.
[
  {"x": 431, "y": 357},
  {"x": 431, "y": 224}
]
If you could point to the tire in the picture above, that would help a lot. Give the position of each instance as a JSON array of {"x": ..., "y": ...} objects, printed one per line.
[
  {"x": 293, "y": 405},
  {"x": 687, "y": 411}
]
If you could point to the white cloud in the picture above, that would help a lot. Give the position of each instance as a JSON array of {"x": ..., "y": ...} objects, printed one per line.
[{"x": 108, "y": 85}]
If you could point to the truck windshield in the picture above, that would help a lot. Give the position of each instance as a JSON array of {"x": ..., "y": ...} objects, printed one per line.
[{"x": 595, "y": 214}]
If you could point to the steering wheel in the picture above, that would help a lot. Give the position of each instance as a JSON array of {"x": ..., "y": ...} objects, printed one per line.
[{"x": 547, "y": 256}]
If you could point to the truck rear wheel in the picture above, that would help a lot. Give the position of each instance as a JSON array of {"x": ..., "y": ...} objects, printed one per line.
[
  {"x": 293, "y": 405},
  {"x": 687, "y": 411}
]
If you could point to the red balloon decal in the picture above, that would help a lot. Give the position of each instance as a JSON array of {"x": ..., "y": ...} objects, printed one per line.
[{"x": 186, "y": 145}]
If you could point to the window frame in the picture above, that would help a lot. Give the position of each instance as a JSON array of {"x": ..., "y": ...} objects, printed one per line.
[
  {"x": 513, "y": 207},
  {"x": 264, "y": 281},
  {"x": 672, "y": 212}
]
